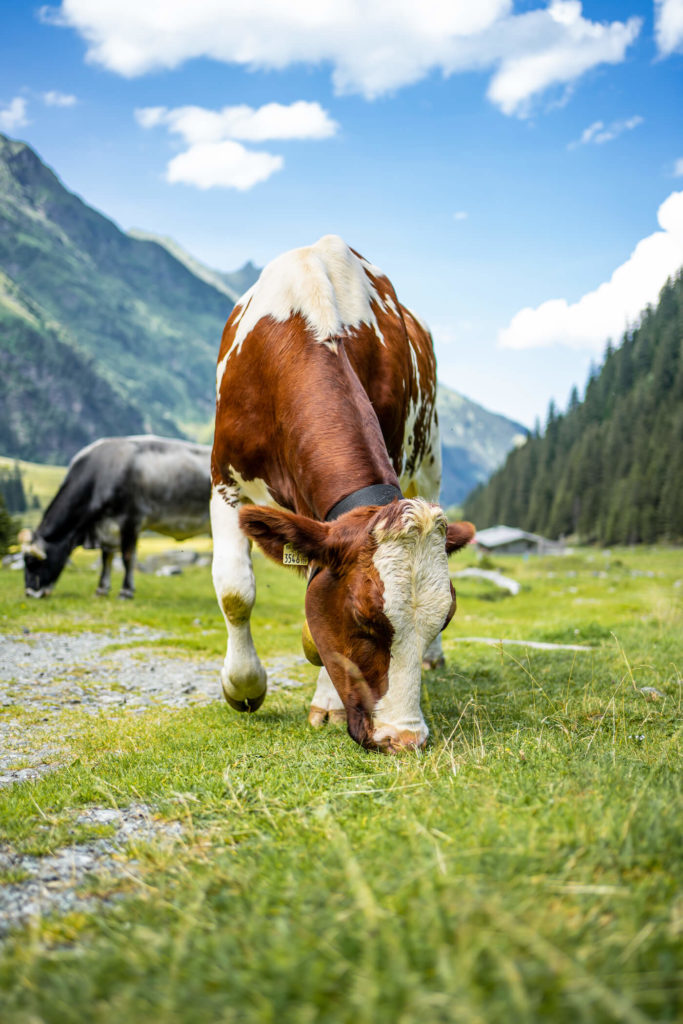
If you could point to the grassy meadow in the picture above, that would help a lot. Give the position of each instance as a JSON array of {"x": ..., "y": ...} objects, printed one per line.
[
  {"x": 40, "y": 481},
  {"x": 525, "y": 867}
]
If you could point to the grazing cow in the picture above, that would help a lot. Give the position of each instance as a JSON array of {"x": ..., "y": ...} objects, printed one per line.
[
  {"x": 113, "y": 489},
  {"x": 325, "y": 411}
]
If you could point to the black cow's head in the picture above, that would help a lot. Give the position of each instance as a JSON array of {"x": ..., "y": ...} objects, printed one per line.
[{"x": 43, "y": 562}]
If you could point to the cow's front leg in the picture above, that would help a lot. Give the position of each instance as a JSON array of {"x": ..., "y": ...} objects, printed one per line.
[
  {"x": 129, "y": 540},
  {"x": 104, "y": 586},
  {"x": 326, "y": 705},
  {"x": 243, "y": 676},
  {"x": 433, "y": 656}
]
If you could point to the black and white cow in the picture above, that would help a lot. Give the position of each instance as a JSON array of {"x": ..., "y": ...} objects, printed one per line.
[{"x": 113, "y": 489}]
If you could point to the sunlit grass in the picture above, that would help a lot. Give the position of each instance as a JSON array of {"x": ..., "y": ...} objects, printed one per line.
[{"x": 523, "y": 867}]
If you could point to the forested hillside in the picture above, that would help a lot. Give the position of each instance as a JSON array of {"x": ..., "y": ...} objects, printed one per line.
[{"x": 610, "y": 469}]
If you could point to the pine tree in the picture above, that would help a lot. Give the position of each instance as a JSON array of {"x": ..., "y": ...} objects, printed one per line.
[
  {"x": 12, "y": 489},
  {"x": 8, "y": 528}
]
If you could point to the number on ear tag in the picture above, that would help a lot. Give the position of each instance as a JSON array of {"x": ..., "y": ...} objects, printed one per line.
[{"x": 290, "y": 556}]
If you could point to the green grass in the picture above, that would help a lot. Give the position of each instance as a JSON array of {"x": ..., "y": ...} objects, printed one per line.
[
  {"x": 524, "y": 867},
  {"x": 40, "y": 481}
]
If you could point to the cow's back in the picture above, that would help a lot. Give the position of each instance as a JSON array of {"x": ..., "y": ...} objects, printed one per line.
[
  {"x": 147, "y": 479},
  {"x": 399, "y": 377},
  {"x": 310, "y": 309},
  {"x": 171, "y": 485}
]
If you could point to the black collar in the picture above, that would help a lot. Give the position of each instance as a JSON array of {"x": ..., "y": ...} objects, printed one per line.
[{"x": 375, "y": 494}]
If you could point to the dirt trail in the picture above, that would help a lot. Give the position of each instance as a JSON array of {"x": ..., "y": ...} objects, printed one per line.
[{"x": 44, "y": 674}]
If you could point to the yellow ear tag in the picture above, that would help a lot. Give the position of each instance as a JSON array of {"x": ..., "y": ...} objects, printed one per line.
[{"x": 290, "y": 556}]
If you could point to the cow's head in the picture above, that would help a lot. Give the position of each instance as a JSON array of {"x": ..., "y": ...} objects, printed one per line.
[
  {"x": 382, "y": 596},
  {"x": 43, "y": 562}
]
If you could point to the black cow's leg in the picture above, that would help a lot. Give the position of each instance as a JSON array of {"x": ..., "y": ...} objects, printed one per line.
[
  {"x": 129, "y": 540},
  {"x": 104, "y": 585},
  {"x": 433, "y": 656}
]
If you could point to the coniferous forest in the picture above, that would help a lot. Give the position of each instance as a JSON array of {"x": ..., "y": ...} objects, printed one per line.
[{"x": 610, "y": 469}]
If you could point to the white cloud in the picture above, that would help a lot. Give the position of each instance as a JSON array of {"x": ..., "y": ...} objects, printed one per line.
[
  {"x": 13, "y": 116},
  {"x": 678, "y": 168},
  {"x": 615, "y": 304},
  {"x": 214, "y": 157},
  {"x": 564, "y": 46},
  {"x": 372, "y": 46},
  {"x": 300, "y": 120},
  {"x": 589, "y": 133},
  {"x": 59, "y": 99},
  {"x": 669, "y": 26},
  {"x": 460, "y": 215},
  {"x": 226, "y": 164},
  {"x": 150, "y": 117},
  {"x": 598, "y": 132}
]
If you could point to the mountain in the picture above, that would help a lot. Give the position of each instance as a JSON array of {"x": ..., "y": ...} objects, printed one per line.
[
  {"x": 474, "y": 443},
  {"x": 103, "y": 332},
  {"x": 609, "y": 470},
  {"x": 134, "y": 331},
  {"x": 53, "y": 398},
  {"x": 232, "y": 284}
]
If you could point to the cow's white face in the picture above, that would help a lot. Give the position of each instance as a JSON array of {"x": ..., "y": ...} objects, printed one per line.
[
  {"x": 380, "y": 599},
  {"x": 418, "y": 601}
]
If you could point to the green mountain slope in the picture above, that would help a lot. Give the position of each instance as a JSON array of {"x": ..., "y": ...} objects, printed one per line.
[
  {"x": 611, "y": 468},
  {"x": 149, "y": 326},
  {"x": 231, "y": 284},
  {"x": 474, "y": 443},
  {"x": 53, "y": 399}
]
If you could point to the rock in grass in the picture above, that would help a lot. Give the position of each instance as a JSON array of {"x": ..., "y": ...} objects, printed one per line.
[{"x": 651, "y": 692}]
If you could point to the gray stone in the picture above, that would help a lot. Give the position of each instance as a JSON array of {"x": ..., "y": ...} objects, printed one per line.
[{"x": 169, "y": 570}]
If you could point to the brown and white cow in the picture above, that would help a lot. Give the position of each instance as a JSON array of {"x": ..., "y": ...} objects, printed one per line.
[{"x": 326, "y": 420}]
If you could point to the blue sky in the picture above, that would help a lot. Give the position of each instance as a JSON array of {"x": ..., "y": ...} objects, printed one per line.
[{"x": 515, "y": 168}]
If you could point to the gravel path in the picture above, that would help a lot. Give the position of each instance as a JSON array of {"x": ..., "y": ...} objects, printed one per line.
[
  {"x": 44, "y": 674},
  {"x": 47, "y": 673},
  {"x": 50, "y": 885}
]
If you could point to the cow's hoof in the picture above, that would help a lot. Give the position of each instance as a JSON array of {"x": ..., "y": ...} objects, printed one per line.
[
  {"x": 126, "y": 595},
  {"x": 102, "y": 592},
  {"x": 318, "y": 716},
  {"x": 247, "y": 703},
  {"x": 233, "y": 689},
  {"x": 431, "y": 663}
]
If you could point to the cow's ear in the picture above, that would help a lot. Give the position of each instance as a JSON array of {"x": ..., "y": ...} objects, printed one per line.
[
  {"x": 458, "y": 535},
  {"x": 284, "y": 535}
]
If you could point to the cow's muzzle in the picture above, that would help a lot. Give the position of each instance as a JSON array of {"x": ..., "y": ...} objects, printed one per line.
[{"x": 391, "y": 740}]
